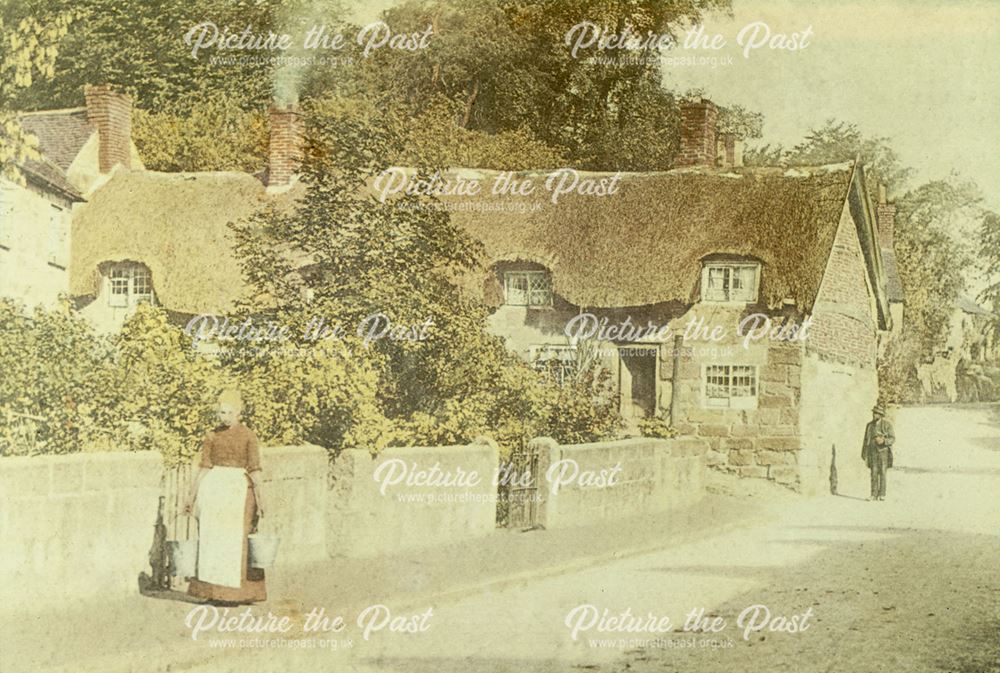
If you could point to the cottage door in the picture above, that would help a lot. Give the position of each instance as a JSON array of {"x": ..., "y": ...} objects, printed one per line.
[{"x": 637, "y": 380}]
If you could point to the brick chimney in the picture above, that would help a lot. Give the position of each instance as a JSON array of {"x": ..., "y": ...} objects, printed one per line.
[
  {"x": 111, "y": 113},
  {"x": 285, "y": 148},
  {"x": 698, "y": 139},
  {"x": 885, "y": 213}
]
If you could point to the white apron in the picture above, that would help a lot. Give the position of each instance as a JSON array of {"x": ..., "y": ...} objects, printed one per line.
[{"x": 221, "y": 502}]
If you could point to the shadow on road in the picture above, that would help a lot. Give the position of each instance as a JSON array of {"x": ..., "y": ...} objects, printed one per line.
[{"x": 986, "y": 471}]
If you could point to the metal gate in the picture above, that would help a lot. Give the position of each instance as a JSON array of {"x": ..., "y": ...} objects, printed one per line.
[
  {"x": 517, "y": 494},
  {"x": 171, "y": 523}
]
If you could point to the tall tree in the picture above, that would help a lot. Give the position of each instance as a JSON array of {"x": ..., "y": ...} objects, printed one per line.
[
  {"x": 140, "y": 47},
  {"x": 506, "y": 65},
  {"x": 933, "y": 256},
  {"x": 28, "y": 50},
  {"x": 838, "y": 141},
  {"x": 347, "y": 257}
]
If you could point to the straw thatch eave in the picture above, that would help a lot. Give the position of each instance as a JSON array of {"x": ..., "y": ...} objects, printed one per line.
[
  {"x": 174, "y": 223},
  {"x": 644, "y": 245}
]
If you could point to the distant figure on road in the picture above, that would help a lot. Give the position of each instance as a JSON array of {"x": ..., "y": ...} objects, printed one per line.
[{"x": 877, "y": 450}]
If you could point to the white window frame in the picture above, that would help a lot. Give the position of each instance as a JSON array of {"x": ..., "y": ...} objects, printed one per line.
[
  {"x": 566, "y": 355},
  {"x": 133, "y": 277},
  {"x": 58, "y": 230},
  {"x": 538, "y": 296},
  {"x": 730, "y": 271},
  {"x": 731, "y": 400}
]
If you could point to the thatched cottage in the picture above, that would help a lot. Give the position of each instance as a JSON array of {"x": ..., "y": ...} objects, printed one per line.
[
  {"x": 686, "y": 252},
  {"x": 672, "y": 257},
  {"x": 163, "y": 238},
  {"x": 79, "y": 148}
]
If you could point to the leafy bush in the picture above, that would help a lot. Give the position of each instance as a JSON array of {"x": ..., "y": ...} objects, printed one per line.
[
  {"x": 167, "y": 389},
  {"x": 656, "y": 426},
  {"x": 215, "y": 135},
  {"x": 897, "y": 371},
  {"x": 56, "y": 370},
  {"x": 325, "y": 394}
]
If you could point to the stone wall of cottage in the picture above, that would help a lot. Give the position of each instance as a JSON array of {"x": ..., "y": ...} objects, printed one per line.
[{"x": 762, "y": 442}]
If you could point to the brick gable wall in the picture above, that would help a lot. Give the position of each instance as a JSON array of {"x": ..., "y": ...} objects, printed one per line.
[{"x": 844, "y": 325}]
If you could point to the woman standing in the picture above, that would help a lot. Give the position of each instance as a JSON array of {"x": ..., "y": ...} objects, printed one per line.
[{"x": 228, "y": 494}]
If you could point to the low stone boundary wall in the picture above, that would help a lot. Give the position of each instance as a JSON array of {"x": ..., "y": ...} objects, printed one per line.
[
  {"x": 617, "y": 479},
  {"x": 295, "y": 492},
  {"x": 406, "y": 498},
  {"x": 75, "y": 526}
]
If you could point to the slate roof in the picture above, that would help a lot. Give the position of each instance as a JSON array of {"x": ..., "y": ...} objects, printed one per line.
[
  {"x": 893, "y": 283},
  {"x": 61, "y": 133}
]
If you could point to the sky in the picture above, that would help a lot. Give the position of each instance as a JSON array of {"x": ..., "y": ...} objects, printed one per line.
[{"x": 924, "y": 73}]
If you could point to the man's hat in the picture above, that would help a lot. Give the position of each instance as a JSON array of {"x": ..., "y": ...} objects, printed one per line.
[{"x": 878, "y": 409}]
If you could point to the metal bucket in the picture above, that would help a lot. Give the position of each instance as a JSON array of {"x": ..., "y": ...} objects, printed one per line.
[
  {"x": 263, "y": 550},
  {"x": 183, "y": 557}
]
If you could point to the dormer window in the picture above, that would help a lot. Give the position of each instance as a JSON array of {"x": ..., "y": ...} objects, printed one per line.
[
  {"x": 527, "y": 288},
  {"x": 129, "y": 284},
  {"x": 731, "y": 282}
]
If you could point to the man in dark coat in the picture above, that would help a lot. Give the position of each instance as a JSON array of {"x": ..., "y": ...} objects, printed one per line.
[{"x": 877, "y": 450}]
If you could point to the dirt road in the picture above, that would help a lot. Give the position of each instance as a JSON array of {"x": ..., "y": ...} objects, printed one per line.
[{"x": 906, "y": 585}]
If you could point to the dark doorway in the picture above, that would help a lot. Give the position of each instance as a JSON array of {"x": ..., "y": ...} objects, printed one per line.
[{"x": 638, "y": 380}]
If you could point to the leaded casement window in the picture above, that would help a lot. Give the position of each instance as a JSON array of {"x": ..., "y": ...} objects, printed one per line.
[
  {"x": 558, "y": 361},
  {"x": 734, "y": 282},
  {"x": 527, "y": 288},
  {"x": 730, "y": 386},
  {"x": 129, "y": 284}
]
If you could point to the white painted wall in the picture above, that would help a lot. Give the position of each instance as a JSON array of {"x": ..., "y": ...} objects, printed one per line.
[
  {"x": 836, "y": 405},
  {"x": 34, "y": 245}
]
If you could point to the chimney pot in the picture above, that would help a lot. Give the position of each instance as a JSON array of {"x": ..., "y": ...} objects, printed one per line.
[
  {"x": 730, "y": 150},
  {"x": 110, "y": 112},
  {"x": 885, "y": 214}
]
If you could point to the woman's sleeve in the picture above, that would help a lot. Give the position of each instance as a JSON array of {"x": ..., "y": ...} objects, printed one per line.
[
  {"x": 253, "y": 453},
  {"x": 206, "y": 452}
]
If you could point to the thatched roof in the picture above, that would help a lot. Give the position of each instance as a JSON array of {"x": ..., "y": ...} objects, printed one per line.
[
  {"x": 641, "y": 246},
  {"x": 644, "y": 245},
  {"x": 176, "y": 224}
]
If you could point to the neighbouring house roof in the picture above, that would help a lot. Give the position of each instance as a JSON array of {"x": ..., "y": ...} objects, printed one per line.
[
  {"x": 61, "y": 133},
  {"x": 48, "y": 176},
  {"x": 174, "y": 223},
  {"x": 968, "y": 305},
  {"x": 893, "y": 283},
  {"x": 644, "y": 245}
]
